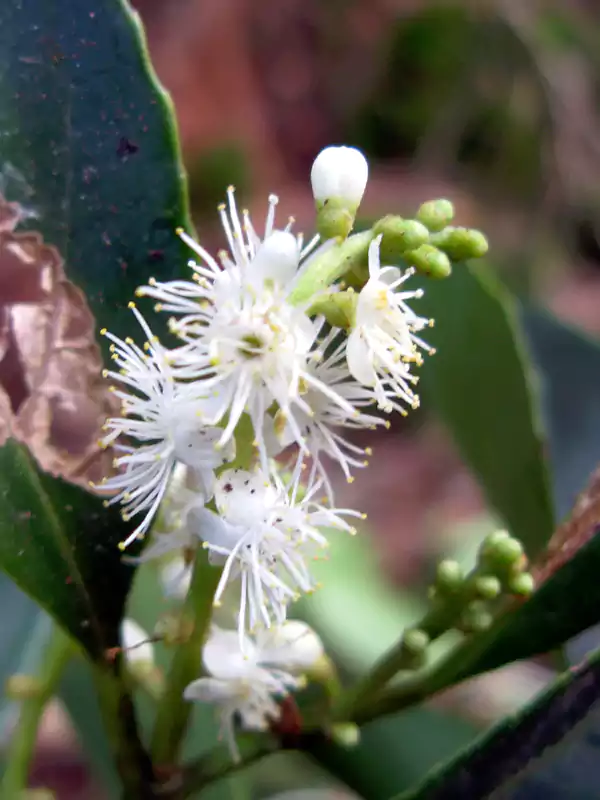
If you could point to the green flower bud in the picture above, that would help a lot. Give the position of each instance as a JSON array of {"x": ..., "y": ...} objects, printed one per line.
[
  {"x": 449, "y": 577},
  {"x": 521, "y": 584},
  {"x": 338, "y": 308},
  {"x": 399, "y": 236},
  {"x": 346, "y": 734},
  {"x": 502, "y": 555},
  {"x": 334, "y": 219},
  {"x": 461, "y": 243},
  {"x": 415, "y": 641},
  {"x": 430, "y": 261},
  {"x": 475, "y": 618},
  {"x": 22, "y": 687},
  {"x": 436, "y": 214},
  {"x": 488, "y": 587},
  {"x": 414, "y": 645}
]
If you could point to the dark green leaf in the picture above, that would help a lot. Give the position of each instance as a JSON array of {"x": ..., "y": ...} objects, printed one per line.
[
  {"x": 78, "y": 693},
  {"x": 395, "y": 753},
  {"x": 569, "y": 369},
  {"x": 92, "y": 147},
  {"x": 480, "y": 382},
  {"x": 561, "y": 726},
  {"x": 89, "y": 150}
]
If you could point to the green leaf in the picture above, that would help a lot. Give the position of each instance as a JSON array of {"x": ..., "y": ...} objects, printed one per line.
[
  {"x": 560, "y": 726},
  {"x": 92, "y": 147},
  {"x": 480, "y": 381},
  {"x": 395, "y": 753},
  {"x": 89, "y": 151},
  {"x": 568, "y": 362},
  {"x": 78, "y": 693}
]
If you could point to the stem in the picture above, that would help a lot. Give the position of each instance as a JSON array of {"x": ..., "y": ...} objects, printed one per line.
[
  {"x": 132, "y": 761},
  {"x": 173, "y": 711},
  {"x": 22, "y": 744},
  {"x": 330, "y": 266}
]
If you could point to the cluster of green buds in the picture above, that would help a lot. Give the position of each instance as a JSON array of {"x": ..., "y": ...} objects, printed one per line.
[
  {"x": 428, "y": 244},
  {"x": 469, "y": 602}
]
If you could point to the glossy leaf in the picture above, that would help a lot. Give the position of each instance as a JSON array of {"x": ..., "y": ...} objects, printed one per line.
[
  {"x": 89, "y": 151},
  {"x": 568, "y": 363},
  {"x": 547, "y": 750},
  {"x": 78, "y": 694},
  {"x": 480, "y": 381}
]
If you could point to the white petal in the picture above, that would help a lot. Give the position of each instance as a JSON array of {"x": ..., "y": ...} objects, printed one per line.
[
  {"x": 293, "y": 646},
  {"x": 359, "y": 362},
  {"x": 210, "y": 690},
  {"x": 212, "y": 529},
  {"x": 339, "y": 172},
  {"x": 223, "y": 658}
]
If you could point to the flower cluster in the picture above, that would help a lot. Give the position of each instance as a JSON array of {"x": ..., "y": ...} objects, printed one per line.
[{"x": 248, "y": 353}]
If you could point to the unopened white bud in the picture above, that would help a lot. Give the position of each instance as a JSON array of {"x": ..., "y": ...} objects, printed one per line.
[
  {"x": 277, "y": 258},
  {"x": 294, "y": 646},
  {"x": 339, "y": 178},
  {"x": 138, "y": 650},
  {"x": 340, "y": 173}
]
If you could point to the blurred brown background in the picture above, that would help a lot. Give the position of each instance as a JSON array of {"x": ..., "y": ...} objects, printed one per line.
[{"x": 492, "y": 103}]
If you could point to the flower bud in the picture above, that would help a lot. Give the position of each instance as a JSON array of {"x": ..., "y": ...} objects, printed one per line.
[
  {"x": 23, "y": 687},
  {"x": 488, "y": 587},
  {"x": 339, "y": 178},
  {"x": 501, "y": 553},
  {"x": 449, "y": 577},
  {"x": 461, "y": 244},
  {"x": 346, "y": 734},
  {"x": 436, "y": 214},
  {"x": 430, "y": 261},
  {"x": 522, "y": 584},
  {"x": 475, "y": 618},
  {"x": 139, "y": 657},
  {"x": 338, "y": 308},
  {"x": 399, "y": 236},
  {"x": 415, "y": 641}
]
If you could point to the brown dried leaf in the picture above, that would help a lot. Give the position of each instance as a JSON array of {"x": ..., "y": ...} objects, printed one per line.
[{"x": 53, "y": 398}]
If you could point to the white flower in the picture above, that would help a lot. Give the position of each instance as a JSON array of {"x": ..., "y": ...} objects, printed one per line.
[
  {"x": 239, "y": 685},
  {"x": 340, "y": 173},
  {"x": 331, "y": 398},
  {"x": 162, "y": 423},
  {"x": 292, "y": 646},
  {"x": 136, "y": 644},
  {"x": 383, "y": 343},
  {"x": 242, "y": 336},
  {"x": 264, "y": 536}
]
